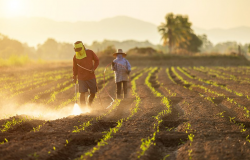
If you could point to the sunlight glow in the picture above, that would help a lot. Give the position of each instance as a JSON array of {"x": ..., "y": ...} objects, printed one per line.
[
  {"x": 77, "y": 110},
  {"x": 13, "y": 8}
]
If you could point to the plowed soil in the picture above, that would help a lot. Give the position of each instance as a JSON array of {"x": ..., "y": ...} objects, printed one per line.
[{"x": 206, "y": 121}]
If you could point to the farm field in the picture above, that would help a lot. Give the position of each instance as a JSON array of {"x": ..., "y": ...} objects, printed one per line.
[{"x": 170, "y": 113}]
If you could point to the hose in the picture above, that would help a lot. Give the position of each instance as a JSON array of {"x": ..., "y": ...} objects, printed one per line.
[{"x": 103, "y": 82}]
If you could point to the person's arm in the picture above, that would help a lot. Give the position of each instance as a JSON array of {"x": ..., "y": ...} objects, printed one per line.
[
  {"x": 75, "y": 69},
  {"x": 96, "y": 61},
  {"x": 113, "y": 66},
  {"x": 128, "y": 66}
]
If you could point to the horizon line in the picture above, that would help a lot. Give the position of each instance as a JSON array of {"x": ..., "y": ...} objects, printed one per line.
[{"x": 198, "y": 27}]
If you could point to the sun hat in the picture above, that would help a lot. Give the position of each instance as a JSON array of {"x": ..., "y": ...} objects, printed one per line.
[{"x": 119, "y": 51}]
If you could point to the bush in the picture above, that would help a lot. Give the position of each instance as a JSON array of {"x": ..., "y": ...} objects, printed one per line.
[
  {"x": 142, "y": 51},
  {"x": 14, "y": 60},
  {"x": 109, "y": 51}
]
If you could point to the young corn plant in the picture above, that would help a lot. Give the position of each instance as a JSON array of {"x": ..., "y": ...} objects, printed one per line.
[{"x": 6, "y": 141}]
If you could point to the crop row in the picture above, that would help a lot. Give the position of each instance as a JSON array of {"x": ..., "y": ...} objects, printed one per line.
[
  {"x": 239, "y": 70},
  {"x": 26, "y": 79},
  {"x": 35, "y": 79},
  {"x": 222, "y": 75},
  {"x": 37, "y": 84},
  {"x": 231, "y": 100},
  {"x": 222, "y": 86},
  {"x": 147, "y": 142},
  {"x": 241, "y": 126}
]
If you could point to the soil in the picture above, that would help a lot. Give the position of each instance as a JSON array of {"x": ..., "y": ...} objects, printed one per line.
[{"x": 197, "y": 127}]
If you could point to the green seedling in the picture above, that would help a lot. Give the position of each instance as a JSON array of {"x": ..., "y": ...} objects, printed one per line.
[
  {"x": 232, "y": 119},
  {"x": 221, "y": 114},
  {"x": 191, "y": 137},
  {"x": 169, "y": 129},
  {"x": 35, "y": 155},
  {"x": 190, "y": 153},
  {"x": 166, "y": 157},
  {"x": 247, "y": 139},
  {"x": 181, "y": 142},
  {"x": 6, "y": 141}
]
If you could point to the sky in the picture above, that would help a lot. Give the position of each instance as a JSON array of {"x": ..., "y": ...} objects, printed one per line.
[{"x": 206, "y": 14}]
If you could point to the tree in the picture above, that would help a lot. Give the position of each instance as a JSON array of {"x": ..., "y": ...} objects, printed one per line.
[
  {"x": 109, "y": 51},
  {"x": 193, "y": 44},
  {"x": 176, "y": 30},
  {"x": 207, "y": 45},
  {"x": 48, "y": 50},
  {"x": 10, "y": 47}
]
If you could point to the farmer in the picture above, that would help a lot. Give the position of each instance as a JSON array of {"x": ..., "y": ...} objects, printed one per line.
[
  {"x": 83, "y": 70},
  {"x": 122, "y": 68}
]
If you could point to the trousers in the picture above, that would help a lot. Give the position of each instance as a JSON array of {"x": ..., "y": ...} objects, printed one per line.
[{"x": 119, "y": 86}]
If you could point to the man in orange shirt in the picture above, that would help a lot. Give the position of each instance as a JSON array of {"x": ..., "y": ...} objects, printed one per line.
[{"x": 83, "y": 70}]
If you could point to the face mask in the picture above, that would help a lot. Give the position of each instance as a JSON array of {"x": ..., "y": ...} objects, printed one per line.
[
  {"x": 119, "y": 56},
  {"x": 82, "y": 53}
]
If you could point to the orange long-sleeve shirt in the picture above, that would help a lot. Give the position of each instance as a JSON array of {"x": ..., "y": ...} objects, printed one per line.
[{"x": 87, "y": 63}]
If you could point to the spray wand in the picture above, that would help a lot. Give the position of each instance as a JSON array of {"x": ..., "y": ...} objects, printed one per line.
[{"x": 75, "y": 93}]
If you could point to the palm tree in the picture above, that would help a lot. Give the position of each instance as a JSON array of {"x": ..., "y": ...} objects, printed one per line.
[{"x": 177, "y": 29}]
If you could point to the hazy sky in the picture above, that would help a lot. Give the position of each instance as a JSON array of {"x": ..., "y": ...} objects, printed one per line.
[{"x": 202, "y": 13}]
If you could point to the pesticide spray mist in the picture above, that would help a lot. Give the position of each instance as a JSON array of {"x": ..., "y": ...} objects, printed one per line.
[
  {"x": 39, "y": 111},
  {"x": 76, "y": 110}
]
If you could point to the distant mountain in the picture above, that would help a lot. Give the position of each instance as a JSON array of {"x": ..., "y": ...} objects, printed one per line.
[
  {"x": 238, "y": 34},
  {"x": 37, "y": 30}
]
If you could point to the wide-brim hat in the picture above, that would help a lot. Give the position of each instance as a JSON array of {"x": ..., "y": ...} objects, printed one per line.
[{"x": 119, "y": 51}]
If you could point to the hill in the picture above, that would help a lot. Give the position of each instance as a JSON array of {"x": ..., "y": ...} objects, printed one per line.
[
  {"x": 238, "y": 34},
  {"x": 36, "y": 30}
]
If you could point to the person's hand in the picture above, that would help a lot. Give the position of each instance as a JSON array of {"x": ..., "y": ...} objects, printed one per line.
[
  {"x": 113, "y": 63},
  {"x": 74, "y": 79},
  {"x": 92, "y": 71},
  {"x": 128, "y": 72}
]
